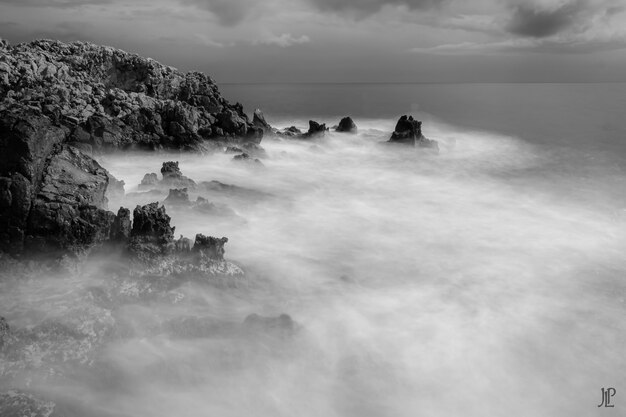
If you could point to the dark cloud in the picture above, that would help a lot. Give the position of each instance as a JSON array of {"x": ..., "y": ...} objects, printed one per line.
[
  {"x": 368, "y": 7},
  {"x": 532, "y": 21}
]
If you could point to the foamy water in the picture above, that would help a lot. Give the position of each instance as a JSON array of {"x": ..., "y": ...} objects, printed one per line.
[{"x": 485, "y": 280}]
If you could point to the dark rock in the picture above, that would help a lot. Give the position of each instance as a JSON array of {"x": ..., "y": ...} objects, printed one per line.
[
  {"x": 4, "y": 330},
  {"x": 68, "y": 212},
  {"x": 290, "y": 131},
  {"x": 151, "y": 234},
  {"x": 122, "y": 226},
  {"x": 108, "y": 98},
  {"x": 408, "y": 131},
  {"x": 346, "y": 125},
  {"x": 258, "y": 120},
  {"x": 209, "y": 247},
  {"x": 316, "y": 129},
  {"x": 178, "y": 197},
  {"x": 173, "y": 177},
  {"x": 233, "y": 149}
]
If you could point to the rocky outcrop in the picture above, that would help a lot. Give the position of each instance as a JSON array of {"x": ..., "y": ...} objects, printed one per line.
[
  {"x": 108, "y": 98},
  {"x": 346, "y": 125},
  {"x": 315, "y": 129},
  {"x": 408, "y": 131},
  {"x": 209, "y": 247},
  {"x": 61, "y": 102},
  {"x": 258, "y": 120},
  {"x": 52, "y": 196},
  {"x": 122, "y": 227},
  {"x": 151, "y": 235}
]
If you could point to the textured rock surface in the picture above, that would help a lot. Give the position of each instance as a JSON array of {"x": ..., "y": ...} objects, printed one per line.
[
  {"x": 110, "y": 98},
  {"x": 151, "y": 234},
  {"x": 346, "y": 125},
  {"x": 408, "y": 131},
  {"x": 20, "y": 404},
  {"x": 61, "y": 102}
]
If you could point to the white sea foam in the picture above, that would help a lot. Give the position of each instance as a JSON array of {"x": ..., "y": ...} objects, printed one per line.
[{"x": 473, "y": 282}]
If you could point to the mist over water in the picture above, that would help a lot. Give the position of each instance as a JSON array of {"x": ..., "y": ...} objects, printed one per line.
[{"x": 486, "y": 280}]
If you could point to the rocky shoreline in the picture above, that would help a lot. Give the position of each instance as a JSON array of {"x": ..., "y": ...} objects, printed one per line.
[{"x": 62, "y": 103}]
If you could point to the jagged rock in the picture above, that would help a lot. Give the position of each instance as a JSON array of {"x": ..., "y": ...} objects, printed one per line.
[
  {"x": 151, "y": 234},
  {"x": 68, "y": 212},
  {"x": 178, "y": 197},
  {"x": 122, "y": 226},
  {"x": 408, "y": 131},
  {"x": 233, "y": 149},
  {"x": 115, "y": 188},
  {"x": 172, "y": 176},
  {"x": 209, "y": 247},
  {"x": 202, "y": 205},
  {"x": 149, "y": 181},
  {"x": 112, "y": 99},
  {"x": 346, "y": 125},
  {"x": 315, "y": 129},
  {"x": 258, "y": 120},
  {"x": 291, "y": 131}
]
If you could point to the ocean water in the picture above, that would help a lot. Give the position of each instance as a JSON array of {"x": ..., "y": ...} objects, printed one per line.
[{"x": 486, "y": 280}]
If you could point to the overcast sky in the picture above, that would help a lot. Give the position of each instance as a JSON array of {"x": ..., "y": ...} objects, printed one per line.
[{"x": 347, "y": 40}]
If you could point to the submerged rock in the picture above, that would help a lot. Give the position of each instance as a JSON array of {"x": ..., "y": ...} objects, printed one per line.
[
  {"x": 244, "y": 157},
  {"x": 282, "y": 324},
  {"x": 408, "y": 131},
  {"x": 20, "y": 404},
  {"x": 346, "y": 125},
  {"x": 178, "y": 197},
  {"x": 172, "y": 176}
]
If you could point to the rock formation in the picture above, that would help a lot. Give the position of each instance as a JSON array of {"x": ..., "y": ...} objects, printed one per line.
[
  {"x": 346, "y": 125},
  {"x": 60, "y": 102},
  {"x": 408, "y": 131}
]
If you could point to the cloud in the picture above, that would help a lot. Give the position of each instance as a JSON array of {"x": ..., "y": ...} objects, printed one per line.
[
  {"x": 228, "y": 12},
  {"x": 369, "y": 7},
  {"x": 537, "y": 21},
  {"x": 572, "y": 45},
  {"x": 207, "y": 41},
  {"x": 56, "y": 3},
  {"x": 284, "y": 40}
]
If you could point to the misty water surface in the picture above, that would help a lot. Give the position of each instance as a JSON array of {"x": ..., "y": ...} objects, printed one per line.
[{"x": 485, "y": 280}]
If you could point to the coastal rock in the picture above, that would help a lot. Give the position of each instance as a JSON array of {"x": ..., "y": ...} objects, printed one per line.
[
  {"x": 346, "y": 125},
  {"x": 408, "y": 131},
  {"x": 173, "y": 177},
  {"x": 149, "y": 181},
  {"x": 316, "y": 129},
  {"x": 177, "y": 197},
  {"x": 69, "y": 210},
  {"x": 151, "y": 234},
  {"x": 209, "y": 247},
  {"x": 258, "y": 120},
  {"x": 291, "y": 131},
  {"x": 244, "y": 157},
  {"x": 121, "y": 227},
  {"x": 109, "y": 98}
]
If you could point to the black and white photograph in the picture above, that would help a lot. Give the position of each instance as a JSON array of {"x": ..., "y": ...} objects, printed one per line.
[{"x": 312, "y": 208}]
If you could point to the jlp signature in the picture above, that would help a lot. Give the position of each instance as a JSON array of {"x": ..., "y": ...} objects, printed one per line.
[{"x": 607, "y": 394}]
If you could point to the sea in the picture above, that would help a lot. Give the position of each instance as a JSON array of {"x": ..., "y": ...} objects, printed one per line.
[{"x": 488, "y": 279}]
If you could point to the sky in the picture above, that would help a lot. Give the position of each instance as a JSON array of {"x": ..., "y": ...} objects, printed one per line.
[{"x": 239, "y": 41}]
